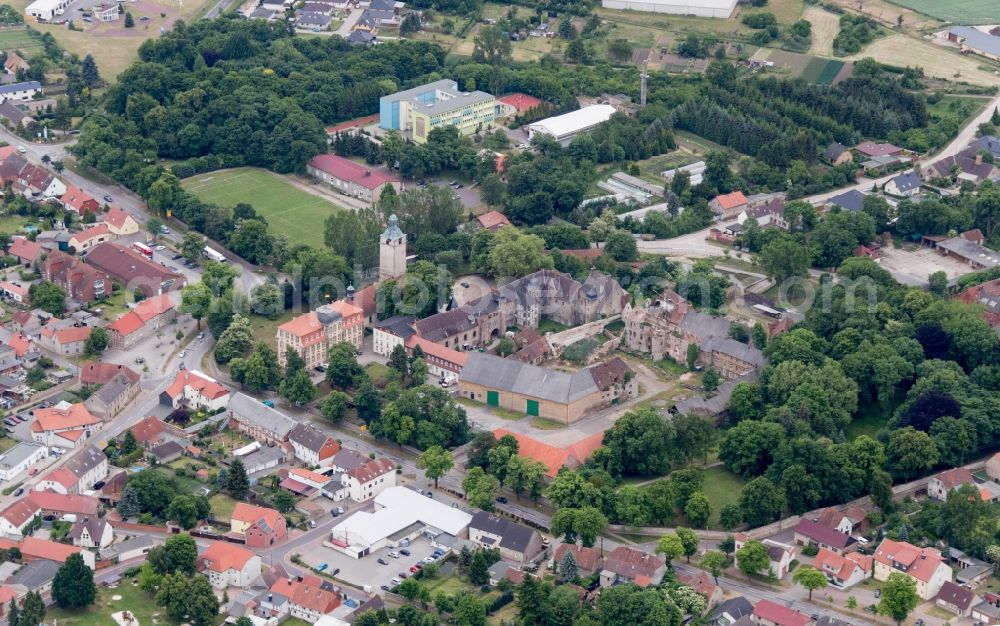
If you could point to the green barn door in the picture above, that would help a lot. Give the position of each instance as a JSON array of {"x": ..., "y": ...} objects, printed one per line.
[
  {"x": 532, "y": 408},
  {"x": 493, "y": 398}
]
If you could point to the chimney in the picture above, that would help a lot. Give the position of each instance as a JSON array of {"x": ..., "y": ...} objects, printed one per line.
[{"x": 979, "y": 158}]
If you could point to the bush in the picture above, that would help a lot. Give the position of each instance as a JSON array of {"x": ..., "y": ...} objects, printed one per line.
[
  {"x": 499, "y": 602},
  {"x": 579, "y": 351},
  {"x": 810, "y": 550}
]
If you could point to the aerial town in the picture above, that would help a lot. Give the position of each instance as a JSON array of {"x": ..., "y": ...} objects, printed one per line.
[{"x": 467, "y": 312}]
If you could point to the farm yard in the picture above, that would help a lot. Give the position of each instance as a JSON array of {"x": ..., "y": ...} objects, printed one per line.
[
  {"x": 811, "y": 69},
  {"x": 957, "y": 11},
  {"x": 288, "y": 209}
]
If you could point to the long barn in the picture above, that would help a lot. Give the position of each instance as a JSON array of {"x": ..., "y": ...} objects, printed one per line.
[{"x": 701, "y": 8}]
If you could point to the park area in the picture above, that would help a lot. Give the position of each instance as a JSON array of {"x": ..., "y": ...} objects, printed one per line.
[
  {"x": 957, "y": 11},
  {"x": 288, "y": 209},
  {"x": 124, "y": 597}
]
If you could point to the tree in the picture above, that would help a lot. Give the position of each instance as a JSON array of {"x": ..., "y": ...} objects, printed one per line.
[
  {"x": 48, "y": 297},
  {"x": 184, "y": 511},
  {"x": 470, "y": 611},
  {"x": 689, "y": 541},
  {"x": 481, "y": 561},
  {"x": 715, "y": 562},
  {"x": 177, "y": 554},
  {"x": 523, "y": 473},
  {"x": 730, "y": 516},
  {"x": 910, "y": 452},
  {"x": 399, "y": 361},
  {"x": 13, "y": 613},
  {"x": 810, "y": 578},
  {"x": 492, "y": 46},
  {"x": 710, "y": 380},
  {"x": 640, "y": 443},
  {"x": 691, "y": 47},
  {"x": 899, "y": 597},
  {"x": 196, "y": 301},
  {"x": 698, "y": 510},
  {"x": 480, "y": 488},
  {"x": 32, "y": 612},
  {"x": 506, "y": 347},
  {"x": 761, "y": 501},
  {"x": 237, "y": 483},
  {"x": 298, "y": 388},
  {"x": 235, "y": 341},
  {"x": 619, "y": 50},
  {"x": 621, "y": 246},
  {"x": 784, "y": 258},
  {"x": 192, "y": 246},
  {"x": 752, "y": 558},
  {"x": 128, "y": 505},
  {"x": 513, "y": 254},
  {"x": 671, "y": 547},
  {"x": 334, "y": 407},
  {"x": 73, "y": 586},
  {"x": 343, "y": 370},
  {"x": 436, "y": 462},
  {"x": 284, "y": 501},
  {"x": 568, "y": 570},
  {"x": 266, "y": 299},
  {"x": 692, "y": 356},
  {"x": 97, "y": 342},
  {"x": 129, "y": 20},
  {"x": 89, "y": 72}
]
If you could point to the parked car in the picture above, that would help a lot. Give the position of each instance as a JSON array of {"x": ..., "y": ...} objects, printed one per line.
[
  {"x": 502, "y": 500},
  {"x": 414, "y": 569},
  {"x": 108, "y": 198},
  {"x": 393, "y": 554},
  {"x": 405, "y": 552},
  {"x": 33, "y": 471},
  {"x": 382, "y": 561},
  {"x": 402, "y": 575},
  {"x": 312, "y": 523},
  {"x": 428, "y": 559},
  {"x": 322, "y": 567},
  {"x": 438, "y": 554},
  {"x": 385, "y": 587},
  {"x": 20, "y": 491}
]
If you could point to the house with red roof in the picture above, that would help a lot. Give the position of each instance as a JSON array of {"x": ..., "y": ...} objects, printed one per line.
[
  {"x": 82, "y": 282},
  {"x": 151, "y": 432},
  {"x": 120, "y": 223},
  {"x": 195, "y": 390},
  {"x": 228, "y": 565},
  {"x": 367, "y": 300},
  {"x": 872, "y": 149},
  {"x": 260, "y": 527},
  {"x": 812, "y": 533},
  {"x": 64, "y": 340},
  {"x": 65, "y": 425},
  {"x": 142, "y": 321},
  {"x": 78, "y": 201},
  {"x": 14, "y": 62},
  {"x": 87, "y": 239},
  {"x": 26, "y": 250},
  {"x": 768, "y": 613},
  {"x": 16, "y": 517},
  {"x": 33, "y": 549},
  {"x": 926, "y": 566},
  {"x": 20, "y": 344},
  {"x": 844, "y": 570},
  {"x": 35, "y": 180},
  {"x": 133, "y": 270},
  {"x": 588, "y": 560},
  {"x": 627, "y": 564},
  {"x": 59, "y": 504},
  {"x": 18, "y": 294},
  {"x": 940, "y": 485},
  {"x": 306, "y": 600},
  {"x": 729, "y": 205},
  {"x": 312, "y": 334},
  {"x": 442, "y": 361},
  {"x": 492, "y": 221},
  {"x": 100, "y": 372},
  {"x": 516, "y": 103},
  {"x": 351, "y": 178},
  {"x": 703, "y": 585},
  {"x": 571, "y": 456}
]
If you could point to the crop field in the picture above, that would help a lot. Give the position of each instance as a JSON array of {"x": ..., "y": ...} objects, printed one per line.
[
  {"x": 288, "y": 209},
  {"x": 957, "y": 11},
  {"x": 18, "y": 39},
  {"x": 937, "y": 61},
  {"x": 811, "y": 69},
  {"x": 825, "y": 26}
]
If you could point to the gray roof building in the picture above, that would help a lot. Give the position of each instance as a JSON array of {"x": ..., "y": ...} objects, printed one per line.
[
  {"x": 347, "y": 460},
  {"x": 977, "y": 39},
  {"x": 526, "y": 379},
  {"x": 398, "y": 325},
  {"x": 852, "y": 200},
  {"x": 138, "y": 542},
  {"x": 81, "y": 464},
  {"x": 736, "y": 349},
  {"x": 439, "y": 327},
  {"x": 731, "y": 610},
  {"x": 36, "y": 574},
  {"x": 360, "y": 37},
  {"x": 166, "y": 452},
  {"x": 513, "y": 536},
  {"x": 834, "y": 150},
  {"x": 18, "y": 454},
  {"x": 988, "y": 143},
  {"x": 313, "y": 20},
  {"x": 258, "y": 416},
  {"x": 907, "y": 182},
  {"x": 971, "y": 251},
  {"x": 308, "y": 436},
  {"x": 16, "y": 87}
]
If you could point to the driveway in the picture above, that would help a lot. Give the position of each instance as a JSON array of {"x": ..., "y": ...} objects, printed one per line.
[{"x": 348, "y": 24}]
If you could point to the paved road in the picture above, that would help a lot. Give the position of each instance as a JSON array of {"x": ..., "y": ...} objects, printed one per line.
[
  {"x": 344, "y": 30},
  {"x": 968, "y": 133}
]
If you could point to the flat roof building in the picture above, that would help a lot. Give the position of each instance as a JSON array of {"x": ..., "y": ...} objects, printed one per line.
[
  {"x": 422, "y": 109},
  {"x": 568, "y": 125},
  {"x": 701, "y": 8}
]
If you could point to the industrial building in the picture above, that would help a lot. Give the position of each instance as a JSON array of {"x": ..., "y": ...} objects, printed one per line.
[
  {"x": 45, "y": 10},
  {"x": 564, "y": 127},
  {"x": 701, "y": 8},
  {"x": 419, "y": 110}
]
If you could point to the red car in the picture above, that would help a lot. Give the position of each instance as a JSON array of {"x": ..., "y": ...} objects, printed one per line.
[
  {"x": 33, "y": 471},
  {"x": 413, "y": 570}
]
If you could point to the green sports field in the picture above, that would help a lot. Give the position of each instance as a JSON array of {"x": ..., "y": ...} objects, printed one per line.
[
  {"x": 957, "y": 11},
  {"x": 288, "y": 209}
]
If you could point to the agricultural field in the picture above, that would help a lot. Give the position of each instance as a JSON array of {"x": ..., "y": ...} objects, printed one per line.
[
  {"x": 288, "y": 209},
  {"x": 18, "y": 39},
  {"x": 937, "y": 61},
  {"x": 811, "y": 69},
  {"x": 888, "y": 13},
  {"x": 825, "y": 26},
  {"x": 957, "y": 11}
]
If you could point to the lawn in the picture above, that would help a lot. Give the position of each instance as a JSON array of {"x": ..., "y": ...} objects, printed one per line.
[
  {"x": 13, "y": 223},
  {"x": 550, "y": 326},
  {"x": 871, "y": 419},
  {"x": 957, "y": 11},
  {"x": 288, "y": 209},
  {"x": 544, "y": 423},
  {"x": 18, "y": 39},
  {"x": 721, "y": 487},
  {"x": 222, "y": 507},
  {"x": 265, "y": 329},
  {"x": 99, "y": 614}
]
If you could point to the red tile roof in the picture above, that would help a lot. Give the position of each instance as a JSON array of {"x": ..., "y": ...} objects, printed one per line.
[
  {"x": 20, "y": 512},
  {"x": 870, "y": 148},
  {"x": 361, "y": 121},
  {"x": 921, "y": 563},
  {"x": 778, "y": 614},
  {"x": 148, "y": 430},
  {"x": 206, "y": 388},
  {"x": 62, "y": 476},
  {"x": 838, "y": 566},
  {"x": 348, "y": 170},
  {"x": 20, "y": 343},
  {"x": 731, "y": 200},
  {"x": 371, "y": 470},
  {"x": 55, "y": 418},
  {"x": 116, "y": 217},
  {"x": 222, "y": 556},
  {"x": 552, "y": 457},
  {"x": 98, "y": 373},
  {"x": 521, "y": 101},
  {"x": 49, "y": 550},
  {"x": 25, "y": 249},
  {"x": 146, "y": 310},
  {"x": 956, "y": 477},
  {"x": 437, "y": 350},
  {"x": 633, "y": 563},
  {"x": 70, "y": 334},
  {"x": 823, "y": 534},
  {"x": 586, "y": 558},
  {"x": 78, "y": 199},
  {"x": 310, "y": 597},
  {"x": 493, "y": 220},
  {"x": 52, "y": 501},
  {"x": 250, "y": 514}
]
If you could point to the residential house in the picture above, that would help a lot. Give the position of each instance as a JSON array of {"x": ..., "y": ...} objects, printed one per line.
[
  {"x": 588, "y": 560},
  {"x": 956, "y": 599},
  {"x": 78, "y": 474},
  {"x": 35, "y": 576},
  {"x": 844, "y": 570},
  {"x": 113, "y": 396},
  {"x": 37, "y": 181},
  {"x": 92, "y": 532},
  {"x": 988, "y": 611},
  {"x": 120, "y": 223},
  {"x": 18, "y": 294},
  {"x": 145, "y": 318},
  {"x": 852, "y": 200},
  {"x": 15, "y": 115},
  {"x": 228, "y": 565},
  {"x": 730, "y": 611},
  {"x": 133, "y": 270},
  {"x": 388, "y": 334},
  {"x": 728, "y": 206},
  {"x": 20, "y": 91},
  {"x": 26, "y": 251},
  {"x": 195, "y": 390},
  {"x": 58, "y": 505},
  {"x": 100, "y": 372},
  {"x": 132, "y": 548},
  {"x": 33, "y": 549},
  {"x": 516, "y": 542},
  {"x": 313, "y": 21},
  {"x": 83, "y": 283},
  {"x": 349, "y": 177},
  {"x": 492, "y": 220},
  {"x": 314, "y": 333},
  {"x": 87, "y": 239},
  {"x": 260, "y": 527},
  {"x": 837, "y": 154},
  {"x": 966, "y": 166},
  {"x": 768, "y": 613},
  {"x": 78, "y": 201},
  {"x": 304, "y": 482},
  {"x": 515, "y": 103},
  {"x": 65, "y": 425},
  {"x": 257, "y": 420},
  {"x": 906, "y": 185},
  {"x": 872, "y": 149},
  {"x": 306, "y": 601},
  {"x": 313, "y": 446},
  {"x": 151, "y": 432},
  {"x": 626, "y": 564},
  {"x": 16, "y": 517},
  {"x": 850, "y": 519},
  {"x": 13, "y": 62},
  {"x": 19, "y": 458},
  {"x": 925, "y": 566},
  {"x": 812, "y": 533},
  {"x": 362, "y": 38},
  {"x": 781, "y": 554},
  {"x": 69, "y": 340},
  {"x": 940, "y": 485},
  {"x": 703, "y": 585},
  {"x": 167, "y": 452}
]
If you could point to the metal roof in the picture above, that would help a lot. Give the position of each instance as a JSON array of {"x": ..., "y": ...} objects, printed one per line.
[
  {"x": 975, "y": 38},
  {"x": 526, "y": 379},
  {"x": 574, "y": 121}
]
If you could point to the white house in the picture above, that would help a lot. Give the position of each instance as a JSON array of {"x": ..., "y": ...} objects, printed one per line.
[
  {"x": 195, "y": 390},
  {"x": 388, "y": 334},
  {"x": 907, "y": 185},
  {"x": 20, "y": 458},
  {"x": 45, "y": 10},
  {"x": 228, "y": 565},
  {"x": 781, "y": 554},
  {"x": 20, "y": 92},
  {"x": 845, "y": 570},
  {"x": 92, "y": 532},
  {"x": 17, "y": 516},
  {"x": 362, "y": 482},
  {"x": 313, "y": 446}
]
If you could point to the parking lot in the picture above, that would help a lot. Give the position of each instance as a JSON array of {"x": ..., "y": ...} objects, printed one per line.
[
  {"x": 920, "y": 262},
  {"x": 367, "y": 570}
]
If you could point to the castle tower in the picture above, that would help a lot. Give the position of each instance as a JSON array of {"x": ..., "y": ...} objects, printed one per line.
[{"x": 392, "y": 251}]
